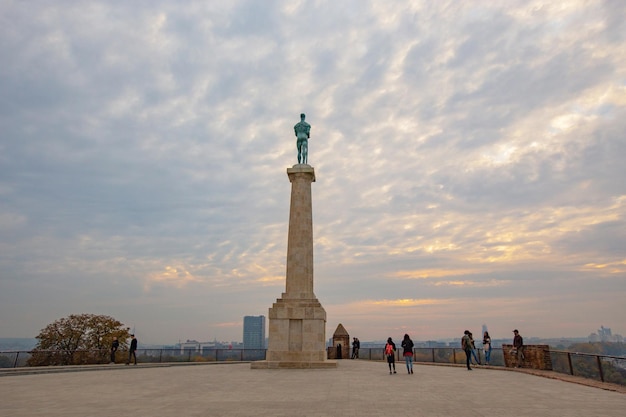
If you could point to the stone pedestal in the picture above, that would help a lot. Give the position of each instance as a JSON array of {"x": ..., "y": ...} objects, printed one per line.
[{"x": 297, "y": 320}]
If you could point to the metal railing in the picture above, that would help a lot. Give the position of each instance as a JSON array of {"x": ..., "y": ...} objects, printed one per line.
[
  {"x": 435, "y": 355},
  {"x": 598, "y": 367},
  {"x": 603, "y": 368},
  {"x": 15, "y": 359}
]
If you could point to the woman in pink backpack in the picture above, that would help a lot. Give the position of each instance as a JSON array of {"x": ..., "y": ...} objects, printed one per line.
[{"x": 390, "y": 353}]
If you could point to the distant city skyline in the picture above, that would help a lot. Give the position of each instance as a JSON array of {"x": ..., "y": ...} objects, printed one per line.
[{"x": 603, "y": 334}]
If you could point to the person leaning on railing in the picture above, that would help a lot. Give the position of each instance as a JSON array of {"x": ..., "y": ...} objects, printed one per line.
[
  {"x": 518, "y": 347},
  {"x": 487, "y": 347}
]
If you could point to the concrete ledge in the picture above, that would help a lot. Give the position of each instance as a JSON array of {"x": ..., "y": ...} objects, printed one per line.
[{"x": 38, "y": 370}]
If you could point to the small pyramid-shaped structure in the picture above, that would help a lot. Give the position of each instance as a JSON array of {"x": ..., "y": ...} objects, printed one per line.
[
  {"x": 341, "y": 331},
  {"x": 341, "y": 337}
]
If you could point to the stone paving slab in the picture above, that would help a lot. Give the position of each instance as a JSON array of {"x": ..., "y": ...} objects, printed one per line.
[{"x": 354, "y": 388}]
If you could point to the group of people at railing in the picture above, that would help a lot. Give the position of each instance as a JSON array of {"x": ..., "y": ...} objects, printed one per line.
[{"x": 467, "y": 345}]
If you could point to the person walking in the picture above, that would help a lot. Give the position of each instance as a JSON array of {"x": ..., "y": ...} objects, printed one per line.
[
  {"x": 518, "y": 347},
  {"x": 114, "y": 345},
  {"x": 390, "y": 353},
  {"x": 407, "y": 345},
  {"x": 133, "y": 348},
  {"x": 466, "y": 344},
  {"x": 487, "y": 347},
  {"x": 471, "y": 336}
]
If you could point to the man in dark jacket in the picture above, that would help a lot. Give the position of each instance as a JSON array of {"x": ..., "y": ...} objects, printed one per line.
[
  {"x": 466, "y": 344},
  {"x": 133, "y": 348},
  {"x": 355, "y": 348},
  {"x": 518, "y": 345}
]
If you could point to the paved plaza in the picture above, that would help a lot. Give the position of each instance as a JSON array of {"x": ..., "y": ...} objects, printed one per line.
[{"x": 354, "y": 388}]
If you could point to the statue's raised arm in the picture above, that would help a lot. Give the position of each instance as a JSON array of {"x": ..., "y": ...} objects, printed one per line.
[{"x": 303, "y": 133}]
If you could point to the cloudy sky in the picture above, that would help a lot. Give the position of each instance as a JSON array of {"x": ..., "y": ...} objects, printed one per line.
[{"x": 469, "y": 158}]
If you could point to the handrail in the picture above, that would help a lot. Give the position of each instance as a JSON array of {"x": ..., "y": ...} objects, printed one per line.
[
  {"x": 588, "y": 354},
  {"x": 606, "y": 368},
  {"x": 20, "y": 358}
]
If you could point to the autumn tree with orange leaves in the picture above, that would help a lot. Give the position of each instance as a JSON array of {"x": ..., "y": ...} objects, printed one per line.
[{"x": 78, "y": 339}]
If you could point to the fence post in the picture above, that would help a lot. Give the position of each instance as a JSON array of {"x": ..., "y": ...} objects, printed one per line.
[
  {"x": 600, "y": 368},
  {"x": 433, "y": 350},
  {"x": 161, "y": 356},
  {"x": 569, "y": 361},
  {"x": 454, "y": 355},
  {"x": 16, "y": 357}
]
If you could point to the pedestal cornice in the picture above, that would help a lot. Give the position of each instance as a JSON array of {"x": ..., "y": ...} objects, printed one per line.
[{"x": 301, "y": 169}]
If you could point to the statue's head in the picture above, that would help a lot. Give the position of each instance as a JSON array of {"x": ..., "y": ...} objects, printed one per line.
[{"x": 302, "y": 116}]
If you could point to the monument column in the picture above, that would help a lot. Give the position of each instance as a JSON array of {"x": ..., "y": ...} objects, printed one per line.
[
  {"x": 297, "y": 321},
  {"x": 300, "y": 239}
]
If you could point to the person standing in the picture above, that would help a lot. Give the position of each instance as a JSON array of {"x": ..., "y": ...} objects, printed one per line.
[
  {"x": 114, "y": 345},
  {"x": 466, "y": 344},
  {"x": 133, "y": 348},
  {"x": 390, "y": 353},
  {"x": 358, "y": 347},
  {"x": 518, "y": 346},
  {"x": 487, "y": 347},
  {"x": 355, "y": 348},
  {"x": 407, "y": 345}
]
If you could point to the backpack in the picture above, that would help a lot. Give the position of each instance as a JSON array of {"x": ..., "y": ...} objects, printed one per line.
[
  {"x": 465, "y": 343},
  {"x": 388, "y": 350}
]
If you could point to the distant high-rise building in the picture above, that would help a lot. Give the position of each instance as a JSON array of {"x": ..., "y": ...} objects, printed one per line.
[
  {"x": 484, "y": 329},
  {"x": 605, "y": 334},
  {"x": 254, "y": 332}
]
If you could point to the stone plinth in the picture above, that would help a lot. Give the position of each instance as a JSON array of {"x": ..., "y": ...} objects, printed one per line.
[
  {"x": 297, "y": 320},
  {"x": 535, "y": 357}
]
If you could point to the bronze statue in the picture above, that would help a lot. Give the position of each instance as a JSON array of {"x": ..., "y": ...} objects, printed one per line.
[{"x": 303, "y": 133}]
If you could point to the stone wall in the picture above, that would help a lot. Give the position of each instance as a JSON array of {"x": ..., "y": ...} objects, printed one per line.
[
  {"x": 346, "y": 349},
  {"x": 535, "y": 357}
]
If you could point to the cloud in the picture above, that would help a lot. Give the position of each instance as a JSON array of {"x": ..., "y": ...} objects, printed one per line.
[{"x": 402, "y": 302}]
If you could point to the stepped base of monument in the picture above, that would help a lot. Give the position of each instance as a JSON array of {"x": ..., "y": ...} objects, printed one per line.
[{"x": 293, "y": 365}]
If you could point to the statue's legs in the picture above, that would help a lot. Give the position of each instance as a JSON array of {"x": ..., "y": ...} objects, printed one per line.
[
  {"x": 305, "y": 152},
  {"x": 301, "y": 145}
]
